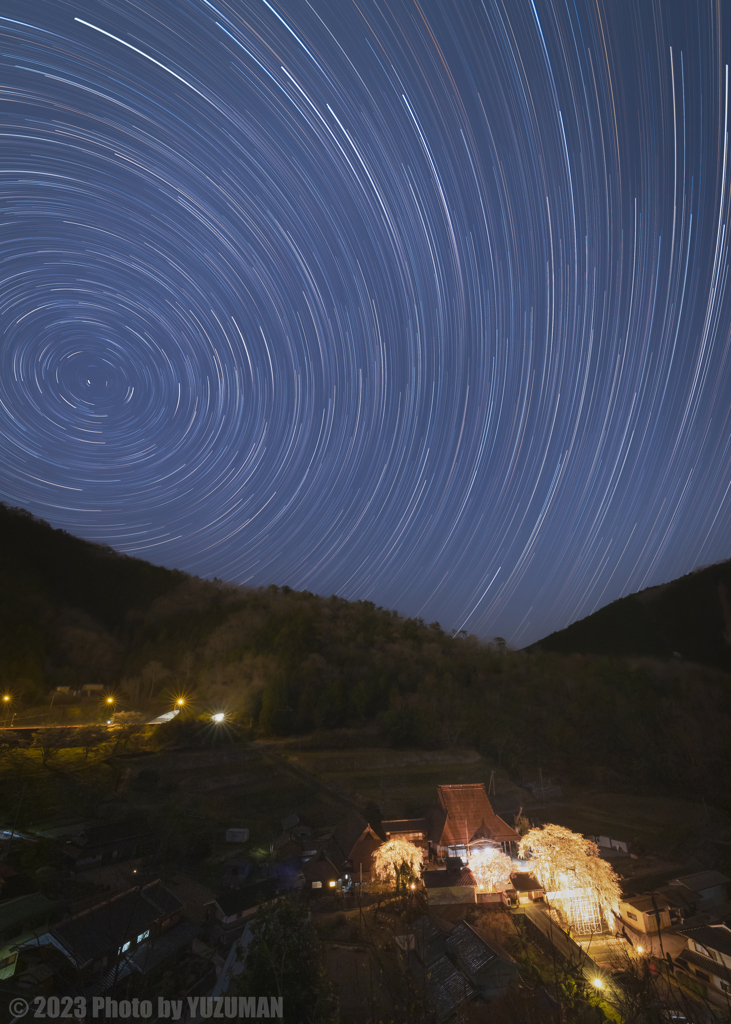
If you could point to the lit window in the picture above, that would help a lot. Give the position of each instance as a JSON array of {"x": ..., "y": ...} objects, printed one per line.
[
  {"x": 143, "y": 936},
  {"x": 126, "y": 946},
  {"x": 333, "y": 884},
  {"x": 317, "y": 885}
]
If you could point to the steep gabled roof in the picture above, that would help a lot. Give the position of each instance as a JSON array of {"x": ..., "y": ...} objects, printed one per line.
[
  {"x": 352, "y": 828},
  {"x": 468, "y": 817},
  {"x": 320, "y": 869}
]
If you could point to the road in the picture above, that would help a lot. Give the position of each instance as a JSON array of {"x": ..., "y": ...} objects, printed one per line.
[
  {"x": 166, "y": 717},
  {"x": 573, "y": 953}
]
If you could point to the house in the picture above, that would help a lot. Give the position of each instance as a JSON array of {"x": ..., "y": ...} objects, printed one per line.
[
  {"x": 489, "y": 968},
  {"x": 682, "y": 902},
  {"x": 296, "y": 827},
  {"x": 454, "y": 965},
  {"x": 231, "y": 910},
  {"x": 22, "y": 920},
  {"x": 466, "y": 819},
  {"x": 710, "y": 887},
  {"x": 415, "y": 830},
  {"x": 645, "y": 914},
  {"x": 437, "y": 978},
  {"x": 527, "y": 887},
  {"x": 106, "y": 936},
  {"x": 352, "y": 845},
  {"x": 321, "y": 875},
  {"x": 237, "y": 871},
  {"x": 109, "y": 843},
  {"x": 708, "y": 956},
  {"x": 457, "y": 885},
  {"x": 237, "y": 835}
]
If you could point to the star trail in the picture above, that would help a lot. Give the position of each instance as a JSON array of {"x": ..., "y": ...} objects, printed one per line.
[{"x": 424, "y": 303}]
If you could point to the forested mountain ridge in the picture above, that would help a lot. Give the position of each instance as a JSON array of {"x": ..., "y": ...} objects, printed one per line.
[
  {"x": 289, "y": 663},
  {"x": 689, "y": 618}
]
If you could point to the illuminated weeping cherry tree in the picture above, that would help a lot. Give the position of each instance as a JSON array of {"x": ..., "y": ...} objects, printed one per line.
[
  {"x": 569, "y": 865},
  {"x": 490, "y": 866},
  {"x": 398, "y": 861}
]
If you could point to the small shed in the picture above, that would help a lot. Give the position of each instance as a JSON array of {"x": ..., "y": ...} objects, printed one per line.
[
  {"x": 645, "y": 914},
  {"x": 527, "y": 887},
  {"x": 450, "y": 886},
  {"x": 237, "y": 835}
]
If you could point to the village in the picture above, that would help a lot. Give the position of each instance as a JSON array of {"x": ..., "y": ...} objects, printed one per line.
[{"x": 456, "y": 912}]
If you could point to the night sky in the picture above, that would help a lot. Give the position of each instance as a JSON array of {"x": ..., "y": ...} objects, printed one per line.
[{"x": 424, "y": 303}]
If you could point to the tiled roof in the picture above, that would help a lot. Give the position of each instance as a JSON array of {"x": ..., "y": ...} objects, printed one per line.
[
  {"x": 146, "y": 957},
  {"x": 469, "y": 816},
  {"x": 103, "y": 929},
  {"x": 678, "y": 896},
  {"x": 718, "y": 938},
  {"x": 689, "y": 956},
  {"x": 472, "y": 950},
  {"x": 444, "y": 985},
  {"x": 347, "y": 833},
  {"x": 703, "y": 880},
  {"x": 446, "y": 879}
]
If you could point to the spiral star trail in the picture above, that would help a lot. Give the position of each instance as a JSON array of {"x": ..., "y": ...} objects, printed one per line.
[{"x": 417, "y": 302}]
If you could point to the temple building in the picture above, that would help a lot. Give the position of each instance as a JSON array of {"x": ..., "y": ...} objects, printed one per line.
[{"x": 463, "y": 819}]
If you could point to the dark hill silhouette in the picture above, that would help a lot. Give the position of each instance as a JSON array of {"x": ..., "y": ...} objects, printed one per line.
[
  {"x": 689, "y": 617},
  {"x": 289, "y": 663}
]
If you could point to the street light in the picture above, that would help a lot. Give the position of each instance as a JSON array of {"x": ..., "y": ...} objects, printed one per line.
[
  {"x": 597, "y": 983},
  {"x": 219, "y": 717}
]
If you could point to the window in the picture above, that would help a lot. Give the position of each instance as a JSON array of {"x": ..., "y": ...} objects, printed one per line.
[
  {"x": 631, "y": 916},
  {"x": 8, "y": 961},
  {"x": 143, "y": 936},
  {"x": 724, "y": 986},
  {"x": 126, "y": 946},
  {"x": 317, "y": 885}
]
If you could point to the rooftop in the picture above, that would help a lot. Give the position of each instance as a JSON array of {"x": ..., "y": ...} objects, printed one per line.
[
  {"x": 716, "y": 937},
  {"x": 469, "y": 816},
  {"x": 24, "y": 908},
  {"x": 703, "y": 880},
  {"x": 689, "y": 956},
  {"x": 646, "y": 904},
  {"x": 121, "y": 918}
]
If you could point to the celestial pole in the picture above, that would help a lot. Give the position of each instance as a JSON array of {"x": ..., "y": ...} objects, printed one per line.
[{"x": 423, "y": 303}]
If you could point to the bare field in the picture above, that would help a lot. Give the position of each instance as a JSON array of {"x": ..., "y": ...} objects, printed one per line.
[{"x": 656, "y": 824}]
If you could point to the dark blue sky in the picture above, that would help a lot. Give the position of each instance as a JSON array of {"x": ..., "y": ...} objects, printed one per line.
[{"x": 424, "y": 303}]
